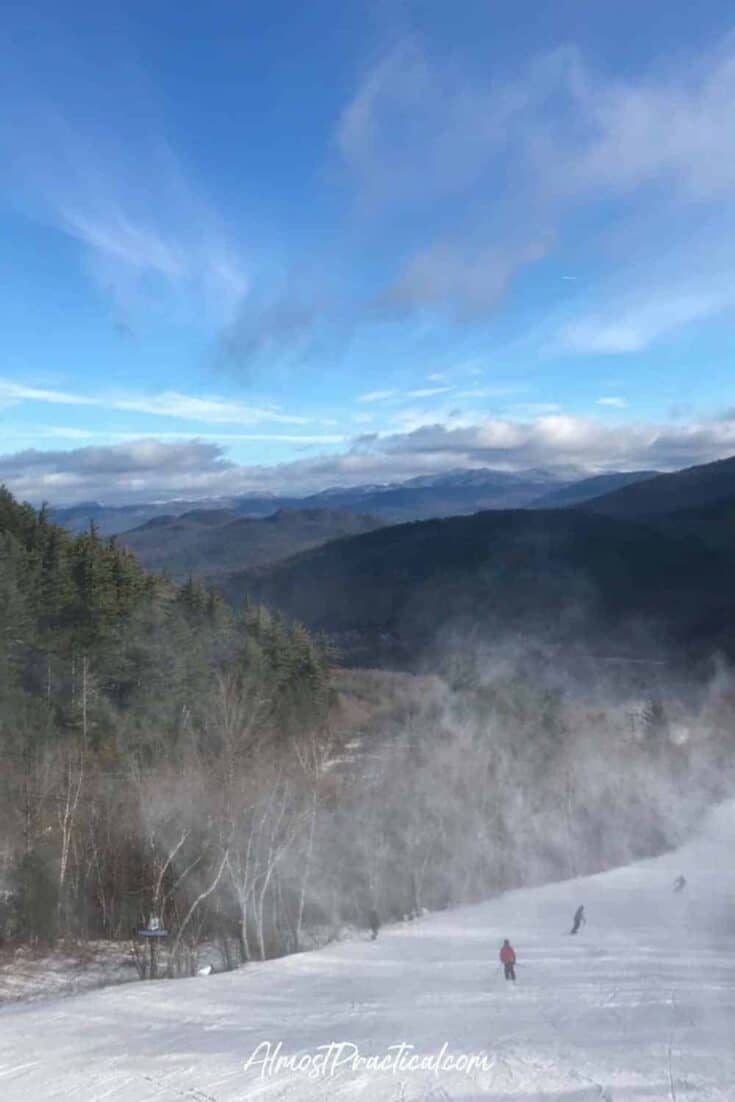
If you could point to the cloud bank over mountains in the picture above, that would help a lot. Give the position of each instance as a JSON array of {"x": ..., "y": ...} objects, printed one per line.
[{"x": 154, "y": 469}]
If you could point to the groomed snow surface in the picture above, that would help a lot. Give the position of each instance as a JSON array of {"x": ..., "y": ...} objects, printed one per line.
[{"x": 639, "y": 1006}]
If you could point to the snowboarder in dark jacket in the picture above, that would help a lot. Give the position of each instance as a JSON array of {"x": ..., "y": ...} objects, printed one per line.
[
  {"x": 508, "y": 959},
  {"x": 374, "y": 923},
  {"x": 579, "y": 918},
  {"x": 679, "y": 884}
]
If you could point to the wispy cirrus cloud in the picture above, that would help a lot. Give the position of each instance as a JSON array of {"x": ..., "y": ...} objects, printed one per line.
[
  {"x": 488, "y": 169},
  {"x": 479, "y": 170},
  {"x": 673, "y": 126},
  {"x": 148, "y": 241},
  {"x": 421, "y": 127},
  {"x": 632, "y": 327},
  {"x": 429, "y": 391},
  {"x": 212, "y": 410},
  {"x": 373, "y": 397},
  {"x": 106, "y": 436},
  {"x": 376, "y": 396},
  {"x": 149, "y": 236}
]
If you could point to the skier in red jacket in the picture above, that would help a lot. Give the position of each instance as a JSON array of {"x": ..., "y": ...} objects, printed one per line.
[{"x": 508, "y": 957}]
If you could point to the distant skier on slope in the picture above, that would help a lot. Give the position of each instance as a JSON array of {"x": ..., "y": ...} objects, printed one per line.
[
  {"x": 579, "y": 918},
  {"x": 679, "y": 884},
  {"x": 374, "y": 923},
  {"x": 508, "y": 958}
]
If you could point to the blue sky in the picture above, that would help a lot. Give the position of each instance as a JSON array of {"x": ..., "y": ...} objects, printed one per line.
[{"x": 252, "y": 246}]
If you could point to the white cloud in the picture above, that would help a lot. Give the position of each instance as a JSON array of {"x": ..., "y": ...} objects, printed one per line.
[
  {"x": 18, "y": 392},
  {"x": 429, "y": 391},
  {"x": 674, "y": 127},
  {"x": 632, "y": 328},
  {"x": 561, "y": 439},
  {"x": 122, "y": 239},
  {"x": 148, "y": 469},
  {"x": 210, "y": 410},
  {"x": 613, "y": 401},
  {"x": 31, "y": 435},
  {"x": 421, "y": 127},
  {"x": 409, "y": 418},
  {"x": 503, "y": 161},
  {"x": 376, "y": 396},
  {"x": 150, "y": 240}
]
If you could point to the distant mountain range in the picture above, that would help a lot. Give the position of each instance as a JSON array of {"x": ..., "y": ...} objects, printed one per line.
[
  {"x": 588, "y": 489},
  {"x": 112, "y": 519},
  {"x": 691, "y": 488},
  {"x": 211, "y": 537},
  {"x": 450, "y": 494},
  {"x": 638, "y": 558},
  {"x": 656, "y": 583},
  {"x": 207, "y": 542}
]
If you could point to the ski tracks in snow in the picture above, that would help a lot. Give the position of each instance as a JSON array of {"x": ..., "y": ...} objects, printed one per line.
[{"x": 639, "y": 1008}]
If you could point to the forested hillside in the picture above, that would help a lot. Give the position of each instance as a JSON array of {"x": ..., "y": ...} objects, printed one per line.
[
  {"x": 692, "y": 488},
  {"x": 588, "y": 489},
  {"x": 207, "y": 542},
  {"x": 566, "y": 577},
  {"x": 93, "y": 643},
  {"x": 115, "y": 685}
]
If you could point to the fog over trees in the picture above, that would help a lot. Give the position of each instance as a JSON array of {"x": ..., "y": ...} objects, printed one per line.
[{"x": 165, "y": 755}]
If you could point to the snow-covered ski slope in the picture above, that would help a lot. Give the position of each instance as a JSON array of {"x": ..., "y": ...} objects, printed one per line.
[{"x": 640, "y": 1006}]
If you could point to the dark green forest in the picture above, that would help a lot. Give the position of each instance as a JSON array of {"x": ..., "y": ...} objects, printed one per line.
[
  {"x": 109, "y": 678},
  {"x": 563, "y": 576},
  {"x": 94, "y": 645}
]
